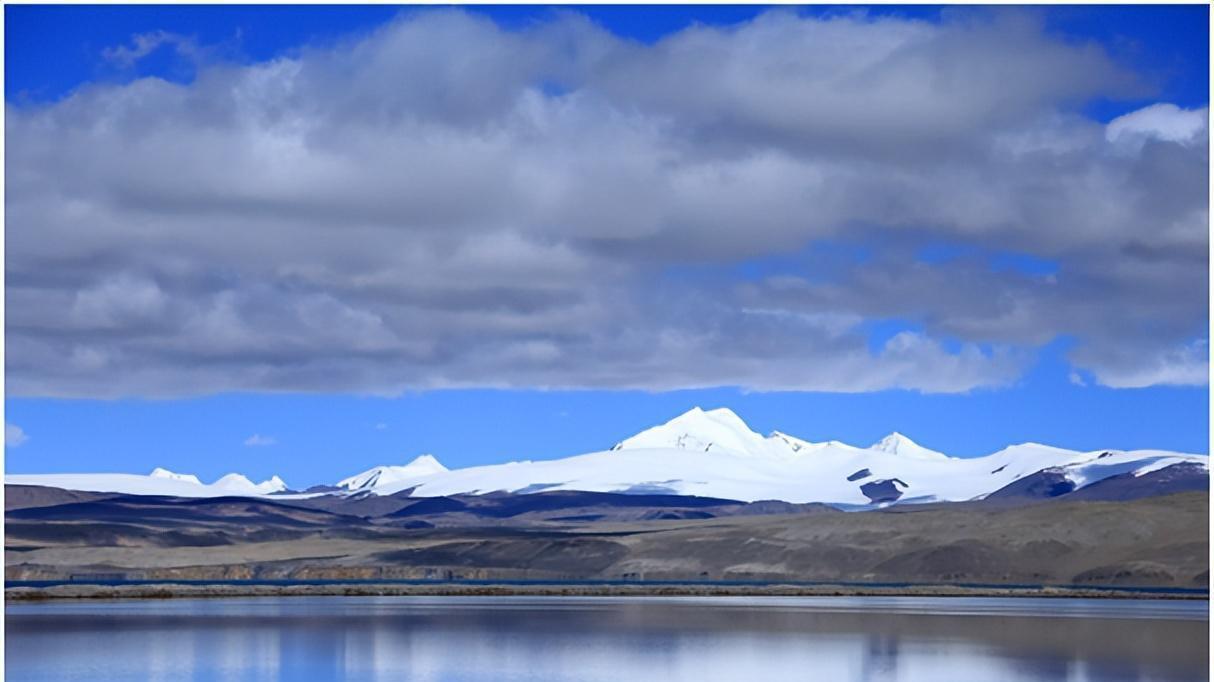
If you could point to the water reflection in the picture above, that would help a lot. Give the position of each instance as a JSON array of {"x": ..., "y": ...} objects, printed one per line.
[{"x": 543, "y": 640}]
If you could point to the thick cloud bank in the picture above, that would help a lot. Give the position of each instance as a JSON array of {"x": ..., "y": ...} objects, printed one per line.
[{"x": 447, "y": 203}]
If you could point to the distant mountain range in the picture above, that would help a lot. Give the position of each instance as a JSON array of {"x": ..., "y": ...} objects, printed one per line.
[{"x": 715, "y": 454}]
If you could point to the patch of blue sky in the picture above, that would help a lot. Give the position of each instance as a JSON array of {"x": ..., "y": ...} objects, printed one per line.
[
  {"x": 822, "y": 261},
  {"x": 942, "y": 252},
  {"x": 1023, "y": 263}
]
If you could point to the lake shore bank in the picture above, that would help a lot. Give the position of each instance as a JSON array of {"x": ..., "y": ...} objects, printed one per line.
[{"x": 193, "y": 591}]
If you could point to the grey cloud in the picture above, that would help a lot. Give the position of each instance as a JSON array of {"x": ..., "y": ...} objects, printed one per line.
[
  {"x": 1128, "y": 366},
  {"x": 882, "y": 87},
  {"x": 445, "y": 203}
]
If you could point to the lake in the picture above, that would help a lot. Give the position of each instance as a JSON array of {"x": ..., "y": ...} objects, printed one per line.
[{"x": 533, "y": 639}]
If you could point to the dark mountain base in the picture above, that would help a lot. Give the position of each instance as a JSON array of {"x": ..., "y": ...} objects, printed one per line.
[{"x": 1158, "y": 541}]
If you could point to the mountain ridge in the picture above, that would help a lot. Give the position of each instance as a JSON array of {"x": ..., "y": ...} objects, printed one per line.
[{"x": 710, "y": 453}]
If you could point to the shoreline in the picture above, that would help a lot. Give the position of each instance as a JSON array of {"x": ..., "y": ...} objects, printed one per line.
[{"x": 195, "y": 591}]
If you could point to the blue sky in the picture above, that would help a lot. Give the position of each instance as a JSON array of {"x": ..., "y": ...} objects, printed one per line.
[
  {"x": 52, "y": 49},
  {"x": 968, "y": 383},
  {"x": 326, "y": 437}
]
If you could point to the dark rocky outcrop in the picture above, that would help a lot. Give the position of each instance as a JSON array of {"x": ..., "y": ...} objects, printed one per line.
[{"x": 883, "y": 490}]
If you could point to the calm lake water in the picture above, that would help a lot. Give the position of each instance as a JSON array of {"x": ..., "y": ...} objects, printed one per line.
[{"x": 473, "y": 639}]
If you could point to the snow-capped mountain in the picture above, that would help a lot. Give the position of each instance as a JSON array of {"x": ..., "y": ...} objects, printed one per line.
[
  {"x": 159, "y": 482},
  {"x": 709, "y": 453},
  {"x": 169, "y": 475},
  {"x": 714, "y": 453}
]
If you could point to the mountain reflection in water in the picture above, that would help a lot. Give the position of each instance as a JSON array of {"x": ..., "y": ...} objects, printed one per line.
[{"x": 462, "y": 639}]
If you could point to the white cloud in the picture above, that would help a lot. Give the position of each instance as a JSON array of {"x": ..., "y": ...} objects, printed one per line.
[
  {"x": 14, "y": 435},
  {"x": 1161, "y": 121},
  {"x": 258, "y": 440},
  {"x": 420, "y": 208},
  {"x": 144, "y": 44}
]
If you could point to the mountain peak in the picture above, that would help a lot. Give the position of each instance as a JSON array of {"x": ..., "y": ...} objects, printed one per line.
[
  {"x": 715, "y": 430},
  {"x": 273, "y": 484},
  {"x": 236, "y": 484},
  {"x": 426, "y": 462},
  {"x": 240, "y": 484},
  {"x": 893, "y": 441},
  {"x": 395, "y": 476},
  {"x": 898, "y": 444}
]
